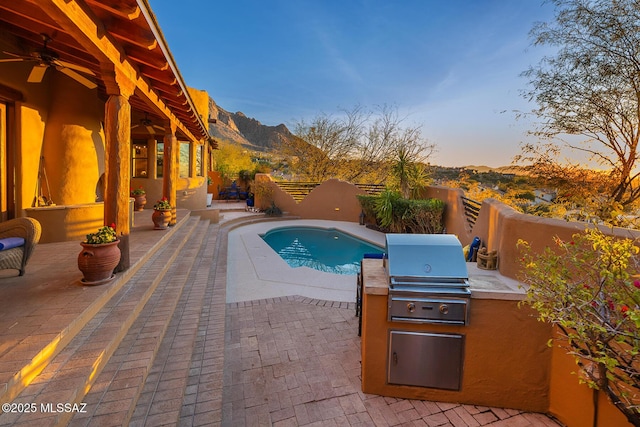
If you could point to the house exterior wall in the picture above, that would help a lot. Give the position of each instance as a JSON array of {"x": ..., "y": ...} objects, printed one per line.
[{"x": 61, "y": 121}]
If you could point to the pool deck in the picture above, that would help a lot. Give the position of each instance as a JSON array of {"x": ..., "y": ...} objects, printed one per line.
[{"x": 256, "y": 271}]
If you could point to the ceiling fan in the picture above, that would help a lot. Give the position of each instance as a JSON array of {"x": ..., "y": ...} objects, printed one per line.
[
  {"x": 148, "y": 124},
  {"x": 45, "y": 58}
]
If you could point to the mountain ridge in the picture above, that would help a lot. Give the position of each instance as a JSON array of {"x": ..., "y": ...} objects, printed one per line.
[
  {"x": 253, "y": 135},
  {"x": 246, "y": 131}
]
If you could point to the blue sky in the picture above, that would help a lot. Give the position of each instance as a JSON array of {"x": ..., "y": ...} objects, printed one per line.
[{"x": 450, "y": 66}]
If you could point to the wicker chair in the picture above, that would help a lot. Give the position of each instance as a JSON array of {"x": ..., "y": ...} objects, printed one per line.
[{"x": 27, "y": 228}]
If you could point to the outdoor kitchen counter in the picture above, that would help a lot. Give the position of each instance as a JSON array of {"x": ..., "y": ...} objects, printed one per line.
[
  {"x": 484, "y": 284},
  {"x": 505, "y": 362}
]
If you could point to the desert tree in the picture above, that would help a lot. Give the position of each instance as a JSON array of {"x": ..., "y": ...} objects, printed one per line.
[
  {"x": 590, "y": 88},
  {"x": 323, "y": 145},
  {"x": 358, "y": 146}
]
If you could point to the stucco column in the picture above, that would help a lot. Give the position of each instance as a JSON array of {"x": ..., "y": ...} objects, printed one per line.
[{"x": 170, "y": 169}]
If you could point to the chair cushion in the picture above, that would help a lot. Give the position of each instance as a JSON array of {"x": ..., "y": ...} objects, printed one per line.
[{"x": 11, "y": 242}]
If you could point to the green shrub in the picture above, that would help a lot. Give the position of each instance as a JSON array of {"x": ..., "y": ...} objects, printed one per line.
[{"x": 394, "y": 214}]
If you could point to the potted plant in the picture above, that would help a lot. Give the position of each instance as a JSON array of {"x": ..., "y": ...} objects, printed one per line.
[
  {"x": 161, "y": 214},
  {"x": 140, "y": 198},
  {"x": 99, "y": 256}
]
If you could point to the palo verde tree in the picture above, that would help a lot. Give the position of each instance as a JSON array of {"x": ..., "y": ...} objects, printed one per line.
[
  {"x": 591, "y": 87},
  {"x": 359, "y": 146}
]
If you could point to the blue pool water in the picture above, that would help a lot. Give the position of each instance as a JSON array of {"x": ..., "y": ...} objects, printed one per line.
[{"x": 324, "y": 249}]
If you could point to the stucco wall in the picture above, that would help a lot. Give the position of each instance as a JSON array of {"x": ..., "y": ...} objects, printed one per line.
[
  {"x": 73, "y": 146},
  {"x": 454, "y": 218},
  {"x": 502, "y": 366},
  {"x": 500, "y": 227},
  {"x": 571, "y": 402},
  {"x": 60, "y": 120},
  {"x": 332, "y": 200}
]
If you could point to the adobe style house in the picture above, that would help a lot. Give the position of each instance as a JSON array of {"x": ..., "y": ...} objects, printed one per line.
[{"x": 92, "y": 104}]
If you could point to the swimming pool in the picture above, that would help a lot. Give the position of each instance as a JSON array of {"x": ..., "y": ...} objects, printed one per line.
[{"x": 323, "y": 249}]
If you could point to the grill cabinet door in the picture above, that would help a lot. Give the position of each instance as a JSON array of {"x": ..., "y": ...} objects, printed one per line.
[{"x": 425, "y": 359}]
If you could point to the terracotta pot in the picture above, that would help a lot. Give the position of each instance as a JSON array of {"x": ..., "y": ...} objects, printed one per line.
[
  {"x": 139, "y": 201},
  {"x": 161, "y": 218},
  {"x": 96, "y": 262}
]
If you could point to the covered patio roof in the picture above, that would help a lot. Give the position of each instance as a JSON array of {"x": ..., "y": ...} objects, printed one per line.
[{"x": 92, "y": 41}]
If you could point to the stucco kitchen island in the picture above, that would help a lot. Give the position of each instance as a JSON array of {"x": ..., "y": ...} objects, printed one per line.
[{"x": 505, "y": 358}]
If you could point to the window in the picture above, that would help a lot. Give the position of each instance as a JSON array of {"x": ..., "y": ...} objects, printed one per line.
[
  {"x": 139, "y": 159},
  {"x": 199, "y": 169},
  {"x": 159, "y": 159},
  {"x": 185, "y": 159}
]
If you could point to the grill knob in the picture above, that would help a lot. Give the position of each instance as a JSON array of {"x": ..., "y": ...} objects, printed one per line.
[
  {"x": 444, "y": 309},
  {"x": 411, "y": 307}
]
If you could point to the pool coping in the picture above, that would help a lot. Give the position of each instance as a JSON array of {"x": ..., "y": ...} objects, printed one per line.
[{"x": 256, "y": 271}]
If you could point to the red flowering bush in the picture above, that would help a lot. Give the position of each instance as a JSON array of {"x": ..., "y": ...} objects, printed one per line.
[{"x": 590, "y": 288}]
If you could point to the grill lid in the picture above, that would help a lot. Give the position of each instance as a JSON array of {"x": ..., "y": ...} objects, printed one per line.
[{"x": 425, "y": 256}]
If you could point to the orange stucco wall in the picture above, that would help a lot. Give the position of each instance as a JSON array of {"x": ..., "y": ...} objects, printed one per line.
[
  {"x": 454, "y": 219},
  {"x": 61, "y": 121},
  {"x": 332, "y": 200},
  {"x": 571, "y": 402},
  {"x": 73, "y": 143},
  {"x": 507, "y": 362},
  {"x": 500, "y": 227}
]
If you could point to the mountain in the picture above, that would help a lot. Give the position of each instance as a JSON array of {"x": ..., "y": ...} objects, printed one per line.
[{"x": 248, "y": 132}]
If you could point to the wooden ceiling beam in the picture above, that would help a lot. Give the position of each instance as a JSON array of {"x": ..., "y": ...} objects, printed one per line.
[
  {"x": 158, "y": 75},
  {"x": 117, "y": 8},
  {"x": 81, "y": 23},
  {"x": 146, "y": 58},
  {"x": 141, "y": 39},
  {"x": 28, "y": 18}
]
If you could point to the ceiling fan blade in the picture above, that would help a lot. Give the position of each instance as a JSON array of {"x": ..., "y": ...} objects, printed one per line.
[
  {"x": 74, "y": 67},
  {"x": 77, "y": 77},
  {"x": 160, "y": 128},
  {"x": 13, "y": 60},
  {"x": 17, "y": 55},
  {"x": 150, "y": 130},
  {"x": 134, "y": 126},
  {"x": 37, "y": 73}
]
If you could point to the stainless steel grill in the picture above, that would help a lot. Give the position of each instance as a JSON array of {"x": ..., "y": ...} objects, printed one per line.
[{"x": 428, "y": 279}]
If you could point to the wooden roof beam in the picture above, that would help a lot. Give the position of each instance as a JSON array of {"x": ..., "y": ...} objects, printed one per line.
[
  {"x": 158, "y": 75},
  {"x": 116, "y": 8},
  {"x": 90, "y": 32},
  {"x": 131, "y": 34},
  {"x": 28, "y": 18}
]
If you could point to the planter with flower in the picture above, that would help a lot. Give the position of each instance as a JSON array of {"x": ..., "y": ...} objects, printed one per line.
[
  {"x": 161, "y": 214},
  {"x": 99, "y": 256},
  {"x": 140, "y": 198}
]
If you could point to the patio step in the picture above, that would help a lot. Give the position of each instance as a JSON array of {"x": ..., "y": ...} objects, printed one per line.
[
  {"x": 123, "y": 336},
  {"x": 151, "y": 392}
]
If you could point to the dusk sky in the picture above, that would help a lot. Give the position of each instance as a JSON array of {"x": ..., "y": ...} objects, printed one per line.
[{"x": 451, "y": 67}]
